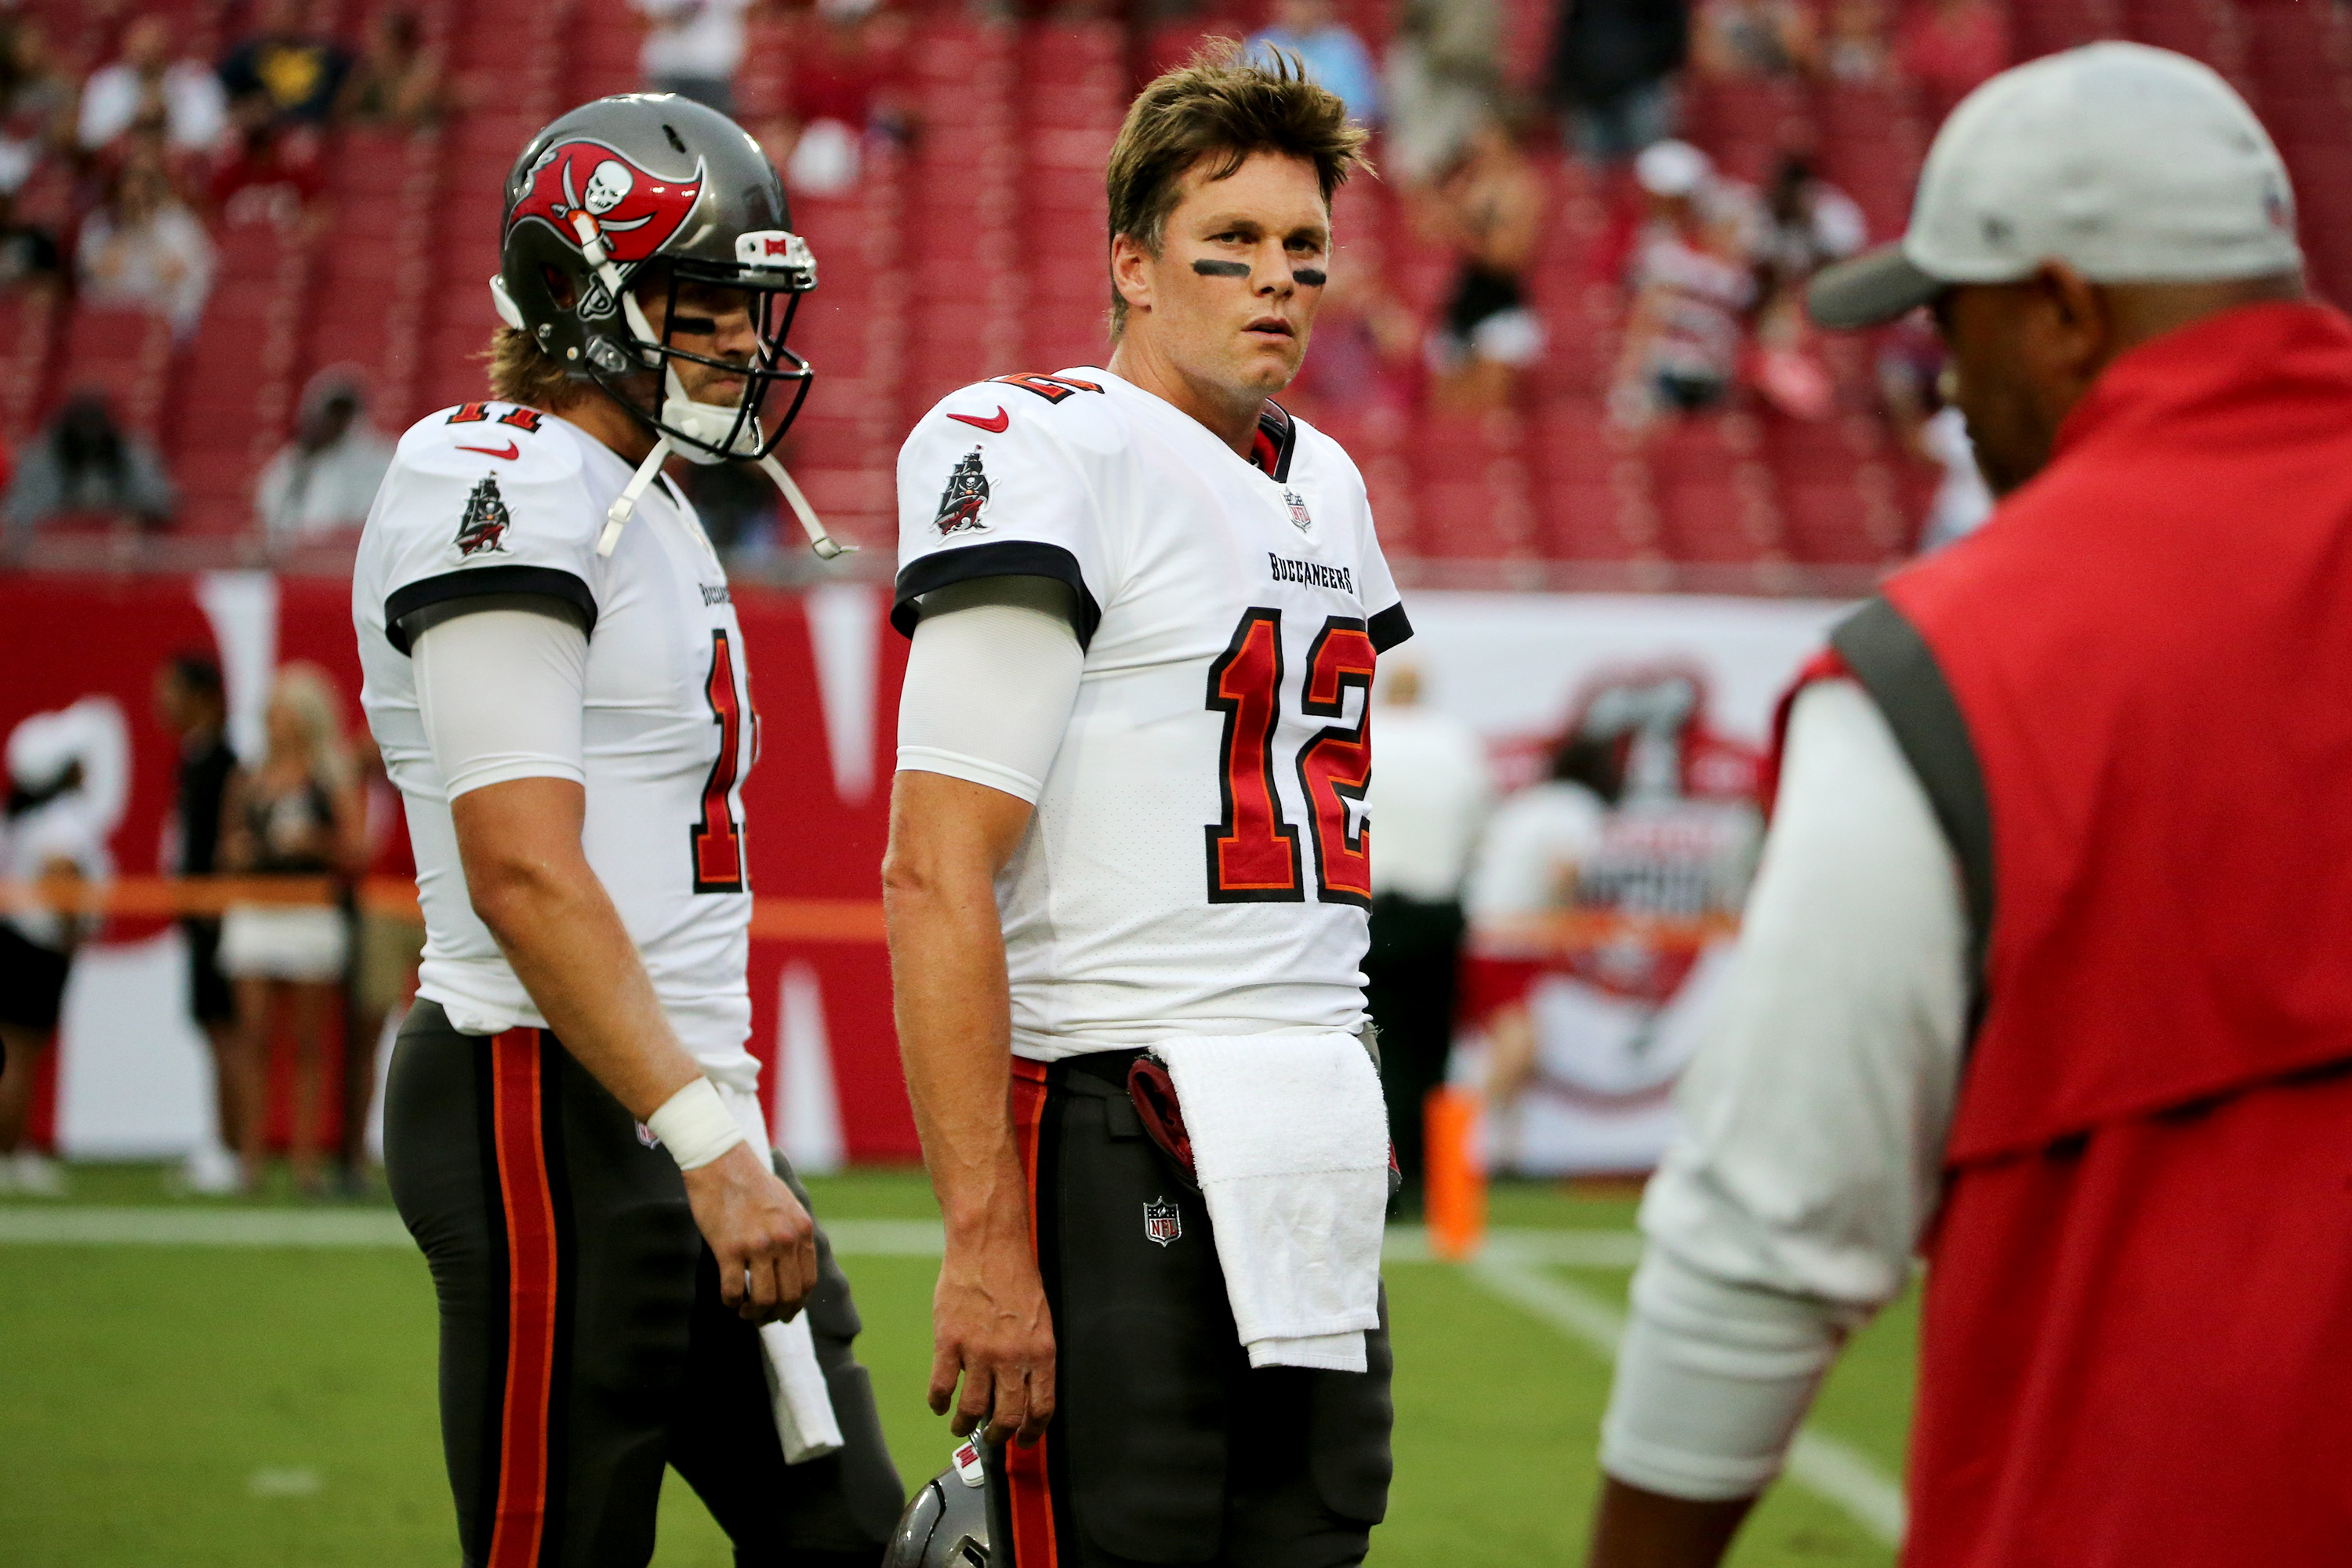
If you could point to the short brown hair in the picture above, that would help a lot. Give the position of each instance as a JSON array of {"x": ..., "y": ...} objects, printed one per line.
[
  {"x": 1223, "y": 102},
  {"x": 521, "y": 372}
]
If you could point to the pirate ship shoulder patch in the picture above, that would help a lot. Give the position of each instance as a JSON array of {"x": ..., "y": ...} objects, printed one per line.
[
  {"x": 483, "y": 528},
  {"x": 965, "y": 498}
]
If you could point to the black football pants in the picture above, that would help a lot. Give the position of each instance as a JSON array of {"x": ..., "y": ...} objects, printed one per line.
[
  {"x": 583, "y": 1342},
  {"x": 1166, "y": 1447}
]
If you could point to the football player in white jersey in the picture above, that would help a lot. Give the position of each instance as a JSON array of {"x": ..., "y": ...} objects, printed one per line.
[
  {"x": 556, "y": 677},
  {"x": 1145, "y": 606}
]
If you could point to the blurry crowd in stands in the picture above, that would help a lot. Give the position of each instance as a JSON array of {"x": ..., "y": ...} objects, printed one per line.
[
  {"x": 111, "y": 179},
  {"x": 311, "y": 806},
  {"x": 113, "y": 184}
]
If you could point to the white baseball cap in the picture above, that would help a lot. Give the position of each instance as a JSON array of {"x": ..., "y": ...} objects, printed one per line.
[{"x": 2131, "y": 164}]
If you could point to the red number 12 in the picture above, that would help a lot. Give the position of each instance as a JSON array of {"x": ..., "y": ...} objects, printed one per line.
[{"x": 1253, "y": 853}]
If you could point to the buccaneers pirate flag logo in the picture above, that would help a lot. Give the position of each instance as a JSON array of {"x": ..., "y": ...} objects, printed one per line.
[
  {"x": 583, "y": 188},
  {"x": 484, "y": 526},
  {"x": 966, "y": 495}
]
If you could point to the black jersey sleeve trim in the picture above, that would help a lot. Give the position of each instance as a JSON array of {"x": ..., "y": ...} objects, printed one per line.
[
  {"x": 1897, "y": 667},
  {"x": 1389, "y": 628},
  {"x": 1005, "y": 558},
  {"x": 505, "y": 581}
]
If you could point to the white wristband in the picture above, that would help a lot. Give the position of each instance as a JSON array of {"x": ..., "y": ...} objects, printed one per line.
[{"x": 695, "y": 1125}]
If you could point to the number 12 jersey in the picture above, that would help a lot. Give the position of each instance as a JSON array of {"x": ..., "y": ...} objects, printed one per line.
[{"x": 1200, "y": 861}]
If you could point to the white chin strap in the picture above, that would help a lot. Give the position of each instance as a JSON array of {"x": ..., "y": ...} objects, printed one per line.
[{"x": 711, "y": 424}]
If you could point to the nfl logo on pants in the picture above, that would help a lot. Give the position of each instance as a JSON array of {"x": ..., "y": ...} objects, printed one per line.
[{"x": 1161, "y": 1222}]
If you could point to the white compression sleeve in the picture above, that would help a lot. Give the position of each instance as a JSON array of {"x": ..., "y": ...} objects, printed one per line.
[
  {"x": 991, "y": 680},
  {"x": 1814, "y": 1118},
  {"x": 500, "y": 692}
]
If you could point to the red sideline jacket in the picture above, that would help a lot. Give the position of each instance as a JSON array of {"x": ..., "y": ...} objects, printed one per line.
[{"x": 2129, "y": 697}]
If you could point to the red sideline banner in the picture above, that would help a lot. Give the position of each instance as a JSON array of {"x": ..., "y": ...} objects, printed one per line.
[{"x": 130, "y": 1077}]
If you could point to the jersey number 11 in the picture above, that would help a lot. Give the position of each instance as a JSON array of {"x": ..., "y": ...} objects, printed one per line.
[
  {"x": 718, "y": 842},
  {"x": 1254, "y": 852}
]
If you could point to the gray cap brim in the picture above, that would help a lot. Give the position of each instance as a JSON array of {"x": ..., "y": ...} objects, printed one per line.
[{"x": 1875, "y": 287}]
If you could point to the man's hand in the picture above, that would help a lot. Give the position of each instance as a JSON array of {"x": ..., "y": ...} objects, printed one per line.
[
  {"x": 989, "y": 1325},
  {"x": 765, "y": 1241}
]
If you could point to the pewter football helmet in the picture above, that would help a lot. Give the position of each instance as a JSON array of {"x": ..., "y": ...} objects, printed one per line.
[{"x": 946, "y": 1524}]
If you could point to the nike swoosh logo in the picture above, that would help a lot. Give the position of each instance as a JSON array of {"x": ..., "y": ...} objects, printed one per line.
[
  {"x": 993, "y": 426},
  {"x": 510, "y": 452}
]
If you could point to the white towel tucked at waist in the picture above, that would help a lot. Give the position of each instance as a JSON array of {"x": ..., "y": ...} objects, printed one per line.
[
  {"x": 1291, "y": 1143},
  {"x": 797, "y": 1393}
]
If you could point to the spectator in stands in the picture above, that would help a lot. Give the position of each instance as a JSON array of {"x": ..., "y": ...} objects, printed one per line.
[
  {"x": 287, "y": 65},
  {"x": 142, "y": 247},
  {"x": 86, "y": 463},
  {"x": 395, "y": 84},
  {"x": 1948, "y": 47},
  {"x": 1755, "y": 38},
  {"x": 193, "y": 708},
  {"x": 37, "y": 105},
  {"x": 1445, "y": 75},
  {"x": 1691, "y": 282},
  {"x": 324, "y": 480},
  {"x": 297, "y": 815},
  {"x": 1490, "y": 208},
  {"x": 1613, "y": 64},
  {"x": 1854, "y": 47},
  {"x": 693, "y": 47},
  {"x": 268, "y": 171},
  {"x": 1808, "y": 224},
  {"x": 1335, "y": 56},
  {"x": 37, "y": 102},
  {"x": 149, "y": 91}
]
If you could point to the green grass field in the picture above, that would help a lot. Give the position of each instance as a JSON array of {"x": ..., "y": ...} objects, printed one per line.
[{"x": 168, "y": 1406}]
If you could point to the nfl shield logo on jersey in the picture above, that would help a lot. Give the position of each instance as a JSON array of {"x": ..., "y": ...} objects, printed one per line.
[
  {"x": 484, "y": 526},
  {"x": 1298, "y": 510},
  {"x": 966, "y": 495},
  {"x": 1163, "y": 1222}
]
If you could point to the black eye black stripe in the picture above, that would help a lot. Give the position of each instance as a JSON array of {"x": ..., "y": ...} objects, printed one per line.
[{"x": 1306, "y": 277}]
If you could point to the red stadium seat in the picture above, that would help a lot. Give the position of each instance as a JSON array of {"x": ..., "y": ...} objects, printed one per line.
[
  {"x": 27, "y": 319},
  {"x": 124, "y": 353}
]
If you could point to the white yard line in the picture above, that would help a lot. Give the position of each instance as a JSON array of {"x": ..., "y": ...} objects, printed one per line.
[{"x": 1833, "y": 1470}]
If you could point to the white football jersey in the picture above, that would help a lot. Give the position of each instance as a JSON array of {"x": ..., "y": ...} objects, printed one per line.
[
  {"x": 1199, "y": 861},
  {"x": 489, "y": 498}
]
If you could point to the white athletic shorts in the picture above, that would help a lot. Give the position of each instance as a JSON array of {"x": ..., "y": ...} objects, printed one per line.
[{"x": 261, "y": 942}]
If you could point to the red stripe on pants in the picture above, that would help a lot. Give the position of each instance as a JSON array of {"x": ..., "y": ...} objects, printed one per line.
[
  {"x": 1031, "y": 1490},
  {"x": 520, "y": 1519}
]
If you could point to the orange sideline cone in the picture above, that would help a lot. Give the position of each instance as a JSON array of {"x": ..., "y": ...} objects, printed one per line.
[{"x": 1456, "y": 1187}]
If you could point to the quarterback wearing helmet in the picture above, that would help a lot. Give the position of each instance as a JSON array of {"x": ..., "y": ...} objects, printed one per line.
[
  {"x": 1126, "y": 839},
  {"x": 557, "y": 679}
]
